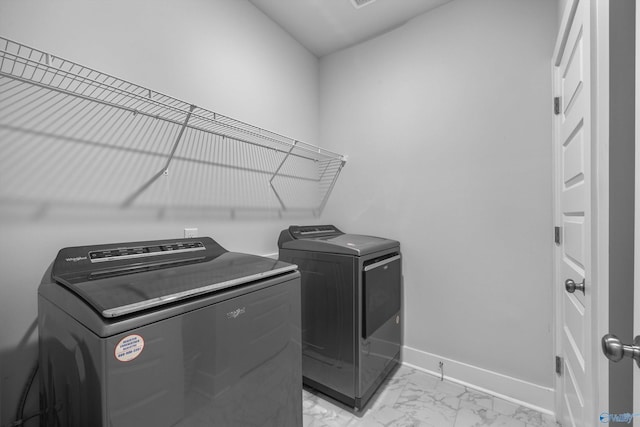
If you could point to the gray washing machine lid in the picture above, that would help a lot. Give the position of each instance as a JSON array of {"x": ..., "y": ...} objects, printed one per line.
[
  {"x": 331, "y": 240},
  {"x": 124, "y": 278}
]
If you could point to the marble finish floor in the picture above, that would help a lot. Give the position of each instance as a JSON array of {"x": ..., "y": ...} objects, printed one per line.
[{"x": 412, "y": 398}]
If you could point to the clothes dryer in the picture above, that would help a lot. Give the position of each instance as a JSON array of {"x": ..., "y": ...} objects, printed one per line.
[{"x": 351, "y": 309}]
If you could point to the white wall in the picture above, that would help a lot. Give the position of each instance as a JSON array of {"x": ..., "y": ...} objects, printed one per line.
[
  {"x": 562, "y": 4},
  {"x": 223, "y": 55},
  {"x": 447, "y": 124}
]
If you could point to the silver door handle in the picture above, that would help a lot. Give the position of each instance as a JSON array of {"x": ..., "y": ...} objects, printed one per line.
[
  {"x": 613, "y": 348},
  {"x": 571, "y": 286},
  {"x": 381, "y": 263}
]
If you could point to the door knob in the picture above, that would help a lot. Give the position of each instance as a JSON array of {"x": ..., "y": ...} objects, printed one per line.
[
  {"x": 613, "y": 348},
  {"x": 571, "y": 286}
]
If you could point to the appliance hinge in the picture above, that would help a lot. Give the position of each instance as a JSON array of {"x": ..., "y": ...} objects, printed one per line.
[
  {"x": 556, "y": 105},
  {"x": 558, "y": 365},
  {"x": 556, "y": 238}
]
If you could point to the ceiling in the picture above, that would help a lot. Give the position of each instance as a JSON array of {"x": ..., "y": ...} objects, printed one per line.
[{"x": 326, "y": 26}]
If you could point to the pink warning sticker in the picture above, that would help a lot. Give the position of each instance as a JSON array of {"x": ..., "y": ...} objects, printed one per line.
[{"x": 129, "y": 348}]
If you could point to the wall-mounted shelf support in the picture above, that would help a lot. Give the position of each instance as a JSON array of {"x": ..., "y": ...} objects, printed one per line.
[
  {"x": 275, "y": 173},
  {"x": 165, "y": 169},
  {"x": 334, "y": 177}
]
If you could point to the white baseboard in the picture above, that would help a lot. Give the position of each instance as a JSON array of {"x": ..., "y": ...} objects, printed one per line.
[{"x": 508, "y": 388}]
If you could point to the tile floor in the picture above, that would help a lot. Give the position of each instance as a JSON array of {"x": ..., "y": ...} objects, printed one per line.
[{"x": 412, "y": 398}]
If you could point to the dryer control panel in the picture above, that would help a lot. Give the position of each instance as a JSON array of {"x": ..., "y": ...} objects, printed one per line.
[{"x": 295, "y": 232}]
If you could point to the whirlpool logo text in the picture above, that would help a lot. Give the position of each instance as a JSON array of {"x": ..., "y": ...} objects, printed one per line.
[{"x": 235, "y": 313}]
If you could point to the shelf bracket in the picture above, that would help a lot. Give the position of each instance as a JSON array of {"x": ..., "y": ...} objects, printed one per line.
[
  {"x": 333, "y": 183},
  {"x": 165, "y": 168},
  {"x": 276, "y": 174}
]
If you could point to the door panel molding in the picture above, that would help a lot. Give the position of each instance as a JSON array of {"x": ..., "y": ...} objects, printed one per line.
[{"x": 580, "y": 208}]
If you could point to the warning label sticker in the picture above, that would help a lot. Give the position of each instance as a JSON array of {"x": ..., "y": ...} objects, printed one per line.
[{"x": 129, "y": 348}]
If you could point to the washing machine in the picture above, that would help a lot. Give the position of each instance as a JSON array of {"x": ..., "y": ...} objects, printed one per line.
[
  {"x": 176, "y": 332},
  {"x": 351, "y": 309}
]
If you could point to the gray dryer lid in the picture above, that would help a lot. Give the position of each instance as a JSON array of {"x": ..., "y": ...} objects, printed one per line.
[
  {"x": 124, "y": 278},
  {"x": 335, "y": 242}
]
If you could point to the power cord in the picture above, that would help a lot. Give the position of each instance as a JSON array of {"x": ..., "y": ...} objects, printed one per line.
[
  {"x": 20, "y": 418},
  {"x": 21, "y": 422}
]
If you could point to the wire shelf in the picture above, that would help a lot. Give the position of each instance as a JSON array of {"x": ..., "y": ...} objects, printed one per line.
[{"x": 71, "y": 134}]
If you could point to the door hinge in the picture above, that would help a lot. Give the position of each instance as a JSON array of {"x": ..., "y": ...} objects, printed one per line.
[
  {"x": 556, "y": 105},
  {"x": 558, "y": 365},
  {"x": 557, "y": 233}
]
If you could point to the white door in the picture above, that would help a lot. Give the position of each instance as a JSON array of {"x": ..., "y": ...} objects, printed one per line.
[{"x": 574, "y": 214}]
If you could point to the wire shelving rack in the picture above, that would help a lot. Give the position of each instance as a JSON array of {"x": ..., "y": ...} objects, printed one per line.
[{"x": 72, "y": 134}]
